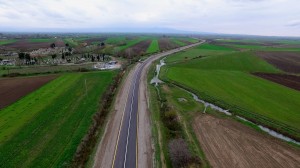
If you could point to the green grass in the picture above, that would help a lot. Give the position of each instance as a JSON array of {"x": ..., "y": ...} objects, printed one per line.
[
  {"x": 225, "y": 80},
  {"x": 178, "y": 42},
  {"x": 44, "y": 128},
  {"x": 243, "y": 90},
  {"x": 3, "y": 42},
  {"x": 153, "y": 47},
  {"x": 131, "y": 43},
  {"x": 41, "y": 40},
  {"x": 71, "y": 42},
  {"x": 263, "y": 48},
  {"x": 115, "y": 40},
  {"x": 215, "y": 47},
  {"x": 197, "y": 51},
  {"x": 241, "y": 61}
]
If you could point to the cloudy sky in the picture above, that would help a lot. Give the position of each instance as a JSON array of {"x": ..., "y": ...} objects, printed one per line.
[{"x": 259, "y": 17}]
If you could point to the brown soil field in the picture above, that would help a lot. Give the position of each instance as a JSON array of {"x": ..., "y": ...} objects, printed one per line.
[
  {"x": 25, "y": 45},
  {"x": 286, "y": 61},
  {"x": 228, "y": 143},
  {"x": 140, "y": 47},
  {"x": 166, "y": 44},
  {"x": 290, "y": 81},
  {"x": 12, "y": 89}
]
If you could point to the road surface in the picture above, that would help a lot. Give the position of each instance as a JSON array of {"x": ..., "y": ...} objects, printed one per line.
[{"x": 126, "y": 142}]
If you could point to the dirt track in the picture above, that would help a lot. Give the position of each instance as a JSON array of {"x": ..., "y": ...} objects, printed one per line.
[
  {"x": 13, "y": 89},
  {"x": 290, "y": 81},
  {"x": 227, "y": 143},
  {"x": 286, "y": 61}
]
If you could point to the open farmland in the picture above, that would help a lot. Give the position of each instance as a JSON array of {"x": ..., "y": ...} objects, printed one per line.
[
  {"x": 4, "y": 42},
  {"x": 291, "y": 81},
  {"x": 44, "y": 128},
  {"x": 228, "y": 144},
  {"x": 139, "y": 48},
  {"x": 33, "y": 44},
  {"x": 286, "y": 61},
  {"x": 13, "y": 89},
  {"x": 131, "y": 42},
  {"x": 166, "y": 44},
  {"x": 239, "y": 89},
  {"x": 46, "y": 69},
  {"x": 199, "y": 51},
  {"x": 153, "y": 47}
]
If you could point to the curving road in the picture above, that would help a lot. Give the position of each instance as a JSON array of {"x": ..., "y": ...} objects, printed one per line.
[{"x": 129, "y": 146}]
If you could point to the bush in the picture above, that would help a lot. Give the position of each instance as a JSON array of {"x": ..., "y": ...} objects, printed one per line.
[{"x": 179, "y": 153}]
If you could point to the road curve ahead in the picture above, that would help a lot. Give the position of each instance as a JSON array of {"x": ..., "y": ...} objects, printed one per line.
[{"x": 125, "y": 154}]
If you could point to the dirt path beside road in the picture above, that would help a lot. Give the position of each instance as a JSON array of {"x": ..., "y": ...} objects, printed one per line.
[{"x": 228, "y": 143}]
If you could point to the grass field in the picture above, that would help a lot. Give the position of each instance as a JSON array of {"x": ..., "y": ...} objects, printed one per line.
[
  {"x": 201, "y": 50},
  {"x": 71, "y": 42},
  {"x": 153, "y": 46},
  {"x": 3, "y": 42},
  {"x": 263, "y": 48},
  {"x": 225, "y": 80},
  {"x": 41, "y": 40},
  {"x": 178, "y": 42},
  {"x": 44, "y": 128},
  {"x": 130, "y": 43},
  {"x": 115, "y": 40}
]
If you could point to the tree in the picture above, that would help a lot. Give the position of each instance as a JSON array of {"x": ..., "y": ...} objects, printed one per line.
[
  {"x": 93, "y": 59},
  {"x": 67, "y": 45},
  {"x": 52, "y": 45},
  {"x": 102, "y": 44},
  {"x": 70, "y": 49},
  {"x": 53, "y": 56},
  {"x": 103, "y": 56},
  {"x": 21, "y": 55},
  {"x": 63, "y": 56},
  {"x": 27, "y": 56}
]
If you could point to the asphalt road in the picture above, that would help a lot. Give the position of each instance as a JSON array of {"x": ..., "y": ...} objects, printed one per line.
[{"x": 126, "y": 155}]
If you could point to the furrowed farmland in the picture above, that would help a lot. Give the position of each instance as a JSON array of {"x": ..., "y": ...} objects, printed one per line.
[{"x": 44, "y": 128}]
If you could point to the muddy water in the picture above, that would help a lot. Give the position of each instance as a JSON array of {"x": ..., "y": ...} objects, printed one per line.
[{"x": 155, "y": 80}]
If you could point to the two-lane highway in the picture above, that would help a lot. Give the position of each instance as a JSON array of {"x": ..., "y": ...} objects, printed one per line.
[{"x": 125, "y": 154}]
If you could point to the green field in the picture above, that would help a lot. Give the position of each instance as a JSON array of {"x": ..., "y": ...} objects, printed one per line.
[
  {"x": 130, "y": 43},
  {"x": 71, "y": 42},
  {"x": 41, "y": 40},
  {"x": 44, "y": 128},
  {"x": 3, "y": 42},
  {"x": 178, "y": 42},
  {"x": 226, "y": 81},
  {"x": 263, "y": 48},
  {"x": 115, "y": 40},
  {"x": 153, "y": 47},
  {"x": 201, "y": 50}
]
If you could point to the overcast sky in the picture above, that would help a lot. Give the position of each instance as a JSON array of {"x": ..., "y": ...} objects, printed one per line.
[{"x": 259, "y": 17}]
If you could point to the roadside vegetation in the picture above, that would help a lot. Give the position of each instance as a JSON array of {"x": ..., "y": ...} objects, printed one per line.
[{"x": 175, "y": 144}]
